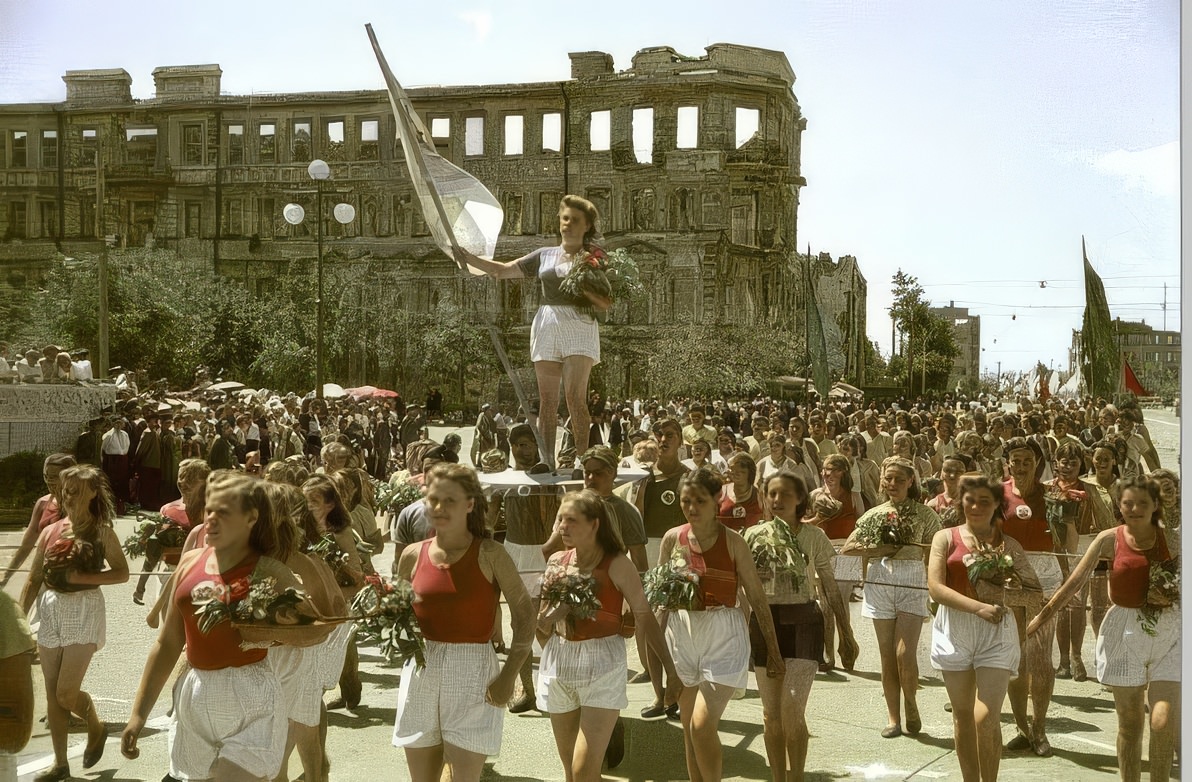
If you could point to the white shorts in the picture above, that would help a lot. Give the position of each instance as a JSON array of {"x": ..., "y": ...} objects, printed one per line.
[
  {"x": 559, "y": 331},
  {"x": 589, "y": 673},
  {"x": 886, "y": 593},
  {"x": 443, "y": 703},
  {"x": 961, "y": 641},
  {"x": 709, "y": 646},
  {"x": 297, "y": 670},
  {"x": 1128, "y": 657},
  {"x": 231, "y": 713},
  {"x": 527, "y": 557},
  {"x": 1047, "y": 568},
  {"x": 847, "y": 568},
  {"x": 331, "y": 654},
  {"x": 70, "y": 618}
]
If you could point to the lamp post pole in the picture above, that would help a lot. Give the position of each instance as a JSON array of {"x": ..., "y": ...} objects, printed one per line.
[{"x": 294, "y": 215}]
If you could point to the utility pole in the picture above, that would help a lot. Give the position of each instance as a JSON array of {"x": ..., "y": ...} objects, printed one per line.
[{"x": 102, "y": 351}]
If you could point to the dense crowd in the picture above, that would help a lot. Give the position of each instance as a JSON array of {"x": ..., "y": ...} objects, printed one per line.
[{"x": 1017, "y": 530}]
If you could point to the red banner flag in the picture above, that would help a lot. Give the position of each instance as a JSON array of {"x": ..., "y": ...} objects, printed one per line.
[{"x": 1131, "y": 381}]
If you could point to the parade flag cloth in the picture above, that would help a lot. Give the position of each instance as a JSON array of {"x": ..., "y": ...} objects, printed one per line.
[
  {"x": 1102, "y": 364},
  {"x": 1130, "y": 380},
  {"x": 459, "y": 210},
  {"x": 817, "y": 346}
]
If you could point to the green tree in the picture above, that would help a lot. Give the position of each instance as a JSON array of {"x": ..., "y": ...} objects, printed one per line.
[
  {"x": 717, "y": 360},
  {"x": 928, "y": 347}
]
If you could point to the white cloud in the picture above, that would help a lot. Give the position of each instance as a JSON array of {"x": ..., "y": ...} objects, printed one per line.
[
  {"x": 1155, "y": 170},
  {"x": 480, "y": 21}
]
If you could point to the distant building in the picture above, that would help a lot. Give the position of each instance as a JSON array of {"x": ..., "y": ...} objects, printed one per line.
[
  {"x": 1154, "y": 355},
  {"x": 966, "y": 330},
  {"x": 693, "y": 162}
]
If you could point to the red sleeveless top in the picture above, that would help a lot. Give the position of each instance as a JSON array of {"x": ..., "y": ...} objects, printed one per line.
[
  {"x": 219, "y": 648},
  {"x": 455, "y": 603},
  {"x": 740, "y": 516},
  {"x": 1026, "y": 519},
  {"x": 842, "y": 525},
  {"x": 956, "y": 573},
  {"x": 607, "y": 620},
  {"x": 1130, "y": 576},
  {"x": 50, "y": 512},
  {"x": 176, "y": 512},
  {"x": 718, "y": 574}
]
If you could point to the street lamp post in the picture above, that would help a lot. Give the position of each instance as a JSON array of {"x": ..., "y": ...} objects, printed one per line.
[{"x": 294, "y": 214}]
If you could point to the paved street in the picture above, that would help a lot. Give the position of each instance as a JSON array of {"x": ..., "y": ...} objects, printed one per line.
[{"x": 845, "y": 713}]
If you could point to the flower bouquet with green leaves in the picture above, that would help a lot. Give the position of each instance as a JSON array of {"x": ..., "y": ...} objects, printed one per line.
[
  {"x": 69, "y": 553},
  {"x": 328, "y": 549},
  {"x": 1163, "y": 591},
  {"x": 252, "y": 600},
  {"x": 673, "y": 585},
  {"x": 564, "y": 585},
  {"x": 776, "y": 550},
  {"x": 891, "y": 528},
  {"x": 393, "y": 498},
  {"x": 152, "y": 535},
  {"x": 384, "y": 612}
]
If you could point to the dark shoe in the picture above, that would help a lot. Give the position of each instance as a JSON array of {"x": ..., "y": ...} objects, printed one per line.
[
  {"x": 168, "y": 778},
  {"x": 640, "y": 678},
  {"x": 53, "y": 775},
  {"x": 655, "y": 711},
  {"x": 615, "y": 752},
  {"x": 95, "y": 746},
  {"x": 138, "y": 598},
  {"x": 1079, "y": 674},
  {"x": 1041, "y": 747},
  {"x": 826, "y": 667},
  {"x": 1064, "y": 671},
  {"x": 672, "y": 711},
  {"x": 523, "y": 704},
  {"x": 913, "y": 726},
  {"x": 1018, "y": 743},
  {"x": 891, "y": 731},
  {"x": 948, "y": 707}
]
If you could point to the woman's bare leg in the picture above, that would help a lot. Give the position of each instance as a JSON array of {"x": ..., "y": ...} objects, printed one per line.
[
  {"x": 576, "y": 370},
  {"x": 548, "y": 374}
]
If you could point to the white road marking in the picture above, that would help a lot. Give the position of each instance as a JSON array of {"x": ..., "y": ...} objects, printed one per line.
[{"x": 159, "y": 724}]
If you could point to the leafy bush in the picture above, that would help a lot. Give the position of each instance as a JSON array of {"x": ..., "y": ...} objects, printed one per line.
[{"x": 21, "y": 483}]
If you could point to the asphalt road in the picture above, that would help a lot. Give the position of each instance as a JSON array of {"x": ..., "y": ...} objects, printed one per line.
[{"x": 845, "y": 714}]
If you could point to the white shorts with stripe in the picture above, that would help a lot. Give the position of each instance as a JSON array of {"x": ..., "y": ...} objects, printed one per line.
[
  {"x": 589, "y": 673},
  {"x": 70, "y": 618},
  {"x": 893, "y": 587},
  {"x": 297, "y": 670},
  {"x": 559, "y": 330},
  {"x": 709, "y": 646},
  {"x": 444, "y": 703},
  {"x": 1129, "y": 657},
  {"x": 232, "y": 713},
  {"x": 962, "y": 641}
]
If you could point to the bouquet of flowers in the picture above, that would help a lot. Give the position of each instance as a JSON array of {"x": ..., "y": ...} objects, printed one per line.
[
  {"x": 394, "y": 498},
  {"x": 776, "y": 550},
  {"x": 673, "y": 585},
  {"x": 69, "y": 553},
  {"x": 1063, "y": 505},
  {"x": 588, "y": 274},
  {"x": 993, "y": 566},
  {"x": 335, "y": 557},
  {"x": 1163, "y": 590},
  {"x": 885, "y": 529},
  {"x": 248, "y": 601},
  {"x": 152, "y": 535},
  {"x": 563, "y": 585},
  {"x": 384, "y": 613}
]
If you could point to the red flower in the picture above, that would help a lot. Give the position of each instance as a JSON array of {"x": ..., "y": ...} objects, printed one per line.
[
  {"x": 60, "y": 550},
  {"x": 596, "y": 257},
  {"x": 238, "y": 590}
]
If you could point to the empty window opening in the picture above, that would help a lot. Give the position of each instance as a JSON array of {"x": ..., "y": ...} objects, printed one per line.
[
  {"x": 599, "y": 131},
  {"x": 552, "y": 132},
  {"x": 514, "y": 129},
  {"x": 369, "y": 133},
  {"x": 747, "y": 124},
  {"x": 267, "y": 146},
  {"x": 300, "y": 144},
  {"x": 643, "y": 135},
  {"x": 474, "y": 136},
  {"x": 687, "y": 134},
  {"x": 440, "y": 127}
]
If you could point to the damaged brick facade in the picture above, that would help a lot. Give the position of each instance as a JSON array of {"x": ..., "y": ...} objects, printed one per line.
[{"x": 693, "y": 162}]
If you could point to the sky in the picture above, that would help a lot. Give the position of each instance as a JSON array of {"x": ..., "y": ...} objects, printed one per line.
[{"x": 969, "y": 144}]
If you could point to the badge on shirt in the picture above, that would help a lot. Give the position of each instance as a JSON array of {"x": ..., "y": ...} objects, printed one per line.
[
  {"x": 1023, "y": 512},
  {"x": 738, "y": 512},
  {"x": 668, "y": 497}
]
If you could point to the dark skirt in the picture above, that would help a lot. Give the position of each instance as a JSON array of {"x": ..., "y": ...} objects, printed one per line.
[{"x": 800, "y": 631}]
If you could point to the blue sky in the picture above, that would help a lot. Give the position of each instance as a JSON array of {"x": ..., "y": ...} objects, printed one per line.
[{"x": 970, "y": 144}]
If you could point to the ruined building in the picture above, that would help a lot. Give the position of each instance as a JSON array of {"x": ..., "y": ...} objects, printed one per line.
[{"x": 694, "y": 163}]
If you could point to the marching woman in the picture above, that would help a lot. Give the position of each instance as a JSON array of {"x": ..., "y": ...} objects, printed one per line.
[
  {"x": 1079, "y": 531},
  {"x": 974, "y": 638},
  {"x": 64, "y": 580},
  {"x": 450, "y": 712},
  {"x": 797, "y": 621},
  {"x": 1104, "y": 490},
  {"x": 710, "y": 642},
  {"x": 740, "y": 503},
  {"x": 838, "y": 484},
  {"x": 564, "y": 338},
  {"x": 229, "y": 718},
  {"x": 46, "y": 511},
  {"x": 895, "y": 595},
  {"x": 1138, "y": 647},
  {"x": 583, "y": 674}
]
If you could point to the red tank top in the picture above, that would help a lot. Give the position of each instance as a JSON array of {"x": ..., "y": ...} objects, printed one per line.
[
  {"x": 60, "y": 541},
  {"x": 1130, "y": 576},
  {"x": 455, "y": 603},
  {"x": 176, "y": 512},
  {"x": 740, "y": 516},
  {"x": 219, "y": 648},
  {"x": 956, "y": 573},
  {"x": 1026, "y": 519},
  {"x": 718, "y": 574},
  {"x": 607, "y": 620},
  {"x": 50, "y": 512},
  {"x": 842, "y": 525}
]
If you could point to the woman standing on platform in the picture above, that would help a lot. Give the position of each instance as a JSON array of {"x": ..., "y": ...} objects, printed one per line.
[
  {"x": 64, "y": 581},
  {"x": 974, "y": 637},
  {"x": 798, "y": 623},
  {"x": 582, "y": 677},
  {"x": 564, "y": 339},
  {"x": 46, "y": 511},
  {"x": 895, "y": 589},
  {"x": 1138, "y": 647},
  {"x": 450, "y": 713},
  {"x": 710, "y": 642}
]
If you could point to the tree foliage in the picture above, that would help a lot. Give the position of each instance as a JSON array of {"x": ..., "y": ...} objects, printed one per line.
[
  {"x": 718, "y": 360},
  {"x": 926, "y": 339}
]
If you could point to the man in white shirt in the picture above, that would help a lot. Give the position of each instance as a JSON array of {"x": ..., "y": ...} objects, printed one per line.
[
  {"x": 28, "y": 368},
  {"x": 80, "y": 366},
  {"x": 114, "y": 454}
]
